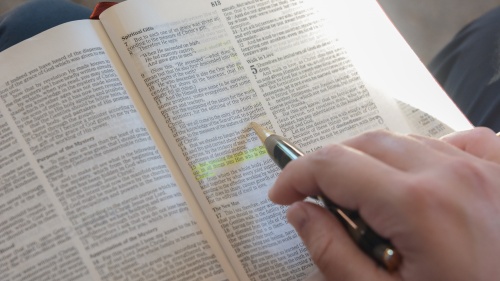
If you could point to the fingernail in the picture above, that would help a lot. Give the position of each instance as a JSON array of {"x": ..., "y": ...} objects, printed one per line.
[
  {"x": 297, "y": 216},
  {"x": 270, "y": 194}
]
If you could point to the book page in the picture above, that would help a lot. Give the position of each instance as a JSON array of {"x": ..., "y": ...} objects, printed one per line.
[
  {"x": 85, "y": 193},
  {"x": 208, "y": 68}
]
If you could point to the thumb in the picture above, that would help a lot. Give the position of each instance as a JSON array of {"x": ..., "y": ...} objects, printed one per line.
[{"x": 330, "y": 247}]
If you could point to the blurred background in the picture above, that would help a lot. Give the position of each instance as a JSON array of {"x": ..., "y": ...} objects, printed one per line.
[{"x": 427, "y": 25}]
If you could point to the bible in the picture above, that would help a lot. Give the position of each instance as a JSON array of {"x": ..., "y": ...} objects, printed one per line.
[{"x": 125, "y": 146}]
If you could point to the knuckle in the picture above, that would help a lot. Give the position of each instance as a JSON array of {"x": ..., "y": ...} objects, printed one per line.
[
  {"x": 416, "y": 190},
  {"x": 327, "y": 153},
  {"x": 484, "y": 132},
  {"x": 467, "y": 171},
  {"x": 431, "y": 188},
  {"x": 372, "y": 136},
  {"x": 480, "y": 134}
]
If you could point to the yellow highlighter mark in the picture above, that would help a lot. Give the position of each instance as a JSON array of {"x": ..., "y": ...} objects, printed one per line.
[{"x": 207, "y": 169}]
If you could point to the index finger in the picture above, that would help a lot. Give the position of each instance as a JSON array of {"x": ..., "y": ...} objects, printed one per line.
[{"x": 349, "y": 177}]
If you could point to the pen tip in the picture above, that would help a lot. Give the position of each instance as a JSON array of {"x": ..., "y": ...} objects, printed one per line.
[{"x": 261, "y": 132}]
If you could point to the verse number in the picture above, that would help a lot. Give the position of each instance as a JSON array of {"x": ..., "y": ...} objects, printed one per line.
[
  {"x": 215, "y": 3},
  {"x": 254, "y": 70}
]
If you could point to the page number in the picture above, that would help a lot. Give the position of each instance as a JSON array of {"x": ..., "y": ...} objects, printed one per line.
[{"x": 215, "y": 3}]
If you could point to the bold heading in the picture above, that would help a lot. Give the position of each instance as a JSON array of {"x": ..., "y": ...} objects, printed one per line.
[{"x": 137, "y": 33}]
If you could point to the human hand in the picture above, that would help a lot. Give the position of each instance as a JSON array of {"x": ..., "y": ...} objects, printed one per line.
[{"x": 438, "y": 201}]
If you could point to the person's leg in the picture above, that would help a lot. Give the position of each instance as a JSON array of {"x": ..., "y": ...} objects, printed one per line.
[
  {"x": 36, "y": 16},
  {"x": 468, "y": 69}
]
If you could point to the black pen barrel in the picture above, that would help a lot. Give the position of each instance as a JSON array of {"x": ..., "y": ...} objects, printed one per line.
[
  {"x": 372, "y": 244},
  {"x": 282, "y": 151}
]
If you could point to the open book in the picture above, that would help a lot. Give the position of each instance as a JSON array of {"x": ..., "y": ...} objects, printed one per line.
[{"x": 125, "y": 146}]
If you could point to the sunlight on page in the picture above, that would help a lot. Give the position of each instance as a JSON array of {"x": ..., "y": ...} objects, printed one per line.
[{"x": 382, "y": 55}]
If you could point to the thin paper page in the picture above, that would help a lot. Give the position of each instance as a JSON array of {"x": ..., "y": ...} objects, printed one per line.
[
  {"x": 99, "y": 199},
  {"x": 301, "y": 70},
  {"x": 388, "y": 65}
]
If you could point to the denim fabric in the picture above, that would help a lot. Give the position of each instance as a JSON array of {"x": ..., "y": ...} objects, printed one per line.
[
  {"x": 468, "y": 69},
  {"x": 36, "y": 16}
]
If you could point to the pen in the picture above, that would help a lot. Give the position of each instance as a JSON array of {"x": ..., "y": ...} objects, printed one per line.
[{"x": 283, "y": 151}]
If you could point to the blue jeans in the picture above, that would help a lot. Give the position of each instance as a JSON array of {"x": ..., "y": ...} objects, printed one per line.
[
  {"x": 36, "y": 16},
  {"x": 468, "y": 68}
]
